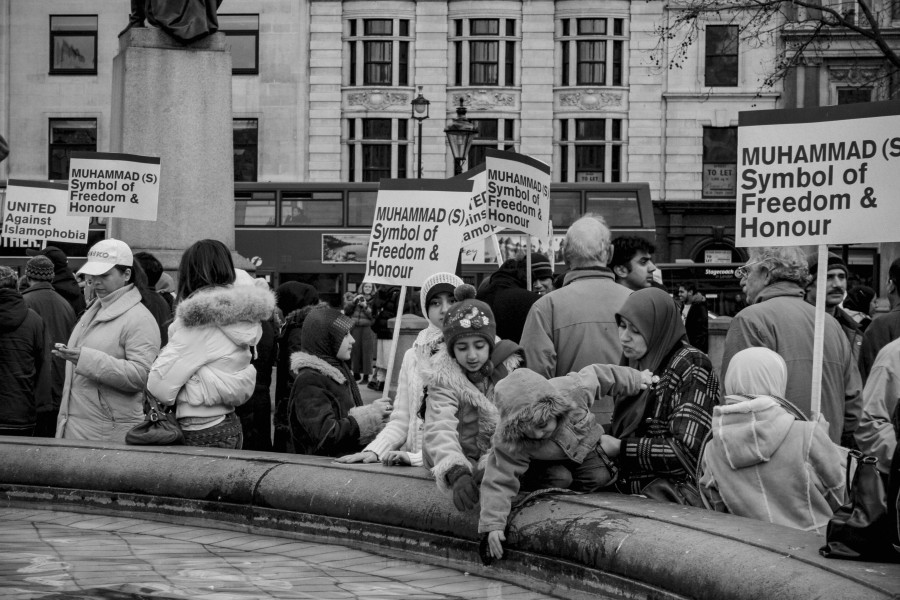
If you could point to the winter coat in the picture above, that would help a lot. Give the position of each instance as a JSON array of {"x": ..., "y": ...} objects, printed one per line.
[
  {"x": 24, "y": 362},
  {"x": 783, "y": 321},
  {"x": 103, "y": 394},
  {"x": 66, "y": 285},
  {"x": 575, "y": 326},
  {"x": 696, "y": 324},
  {"x": 875, "y": 434},
  {"x": 883, "y": 330},
  {"x": 510, "y": 300},
  {"x": 205, "y": 369},
  {"x": 59, "y": 321},
  {"x": 460, "y": 417},
  {"x": 385, "y": 308},
  {"x": 577, "y": 433},
  {"x": 769, "y": 466},
  {"x": 162, "y": 313},
  {"x": 405, "y": 428},
  {"x": 853, "y": 332},
  {"x": 678, "y": 408},
  {"x": 323, "y": 416}
]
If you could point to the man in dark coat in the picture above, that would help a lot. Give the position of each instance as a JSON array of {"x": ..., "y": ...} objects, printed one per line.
[
  {"x": 64, "y": 281},
  {"x": 24, "y": 360},
  {"x": 884, "y": 328},
  {"x": 509, "y": 297},
  {"x": 158, "y": 306},
  {"x": 695, "y": 316},
  {"x": 59, "y": 320}
]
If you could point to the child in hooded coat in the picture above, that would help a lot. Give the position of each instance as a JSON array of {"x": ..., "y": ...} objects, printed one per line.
[
  {"x": 327, "y": 415},
  {"x": 400, "y": 442},
  {"x": 460, "y": 416},
  {"x": 549, "y": 422}
]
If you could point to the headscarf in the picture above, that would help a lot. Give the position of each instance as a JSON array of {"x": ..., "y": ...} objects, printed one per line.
[
  {"x": 756, "y": 372},
  {"x": 293, "y": 295},
  {"x": 323, "y": 332},
  {"x": 654, "y": 314}
]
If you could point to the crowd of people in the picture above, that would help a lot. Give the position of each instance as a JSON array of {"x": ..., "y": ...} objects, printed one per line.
[{"x": 598, "y": 380}]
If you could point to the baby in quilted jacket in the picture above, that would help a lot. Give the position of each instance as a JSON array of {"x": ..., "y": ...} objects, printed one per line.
[{"x": 550, "y": 422}]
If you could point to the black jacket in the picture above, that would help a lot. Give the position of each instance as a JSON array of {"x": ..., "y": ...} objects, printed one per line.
[
  {"x": 697, "y": 324},
  {"x": 66, "y": 285},
  {"x": 510, "y": 302},
  {"x": 59, "y": 320},
  {"x": 24, "y": 362}
]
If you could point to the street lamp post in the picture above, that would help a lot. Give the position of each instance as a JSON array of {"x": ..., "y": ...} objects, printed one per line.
[
  {"x": 420, "y": 113},
  {"x": 460, "y": 133}
]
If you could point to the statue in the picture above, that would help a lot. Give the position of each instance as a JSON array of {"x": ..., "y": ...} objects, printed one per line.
[{"x": 185, "y": 20}]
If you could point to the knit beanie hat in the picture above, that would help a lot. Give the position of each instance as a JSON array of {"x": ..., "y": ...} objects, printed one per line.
[
  {"x": 323, "y": 331},
  {"x": 468, "y": 317},
  {"x": 540, "y": 266},
  {"x": 834, "y": 262},
  {"x": 39, "y": 268},
  {"x": 437, "y": 284}
]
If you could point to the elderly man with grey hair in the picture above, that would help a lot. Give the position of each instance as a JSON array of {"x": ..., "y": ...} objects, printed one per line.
[
  {"x": 575, "y": 326},
  {"x": 780, "y": 319}
]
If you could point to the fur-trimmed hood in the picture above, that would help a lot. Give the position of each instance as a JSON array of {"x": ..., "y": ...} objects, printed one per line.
[
  {"x": 444, "y": 371},
  {"x": 236, "y": 310},
  {"x": 518, "y": 395},
  {"x": 303, "y": 360}
]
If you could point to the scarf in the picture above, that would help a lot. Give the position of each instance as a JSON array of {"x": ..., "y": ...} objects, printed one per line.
[
  {"x": 755, "y": 372},
  {"x": 323, "y": 332}
]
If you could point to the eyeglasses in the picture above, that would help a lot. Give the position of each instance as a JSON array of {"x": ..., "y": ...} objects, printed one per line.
[{"x": 743, "y": 271}]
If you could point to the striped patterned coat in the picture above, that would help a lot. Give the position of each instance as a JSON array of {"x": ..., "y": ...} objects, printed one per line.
[{"x": 678, "y": 407}]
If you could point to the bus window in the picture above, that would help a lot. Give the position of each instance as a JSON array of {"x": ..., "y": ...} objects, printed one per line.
[
  {"x": 316, "y": 209},
  {"x": 361, "y": 208},
  {"x": 618, "y": 212},
  {"x": 565, "y": 208},
  {"x": 250, "y": 211}
]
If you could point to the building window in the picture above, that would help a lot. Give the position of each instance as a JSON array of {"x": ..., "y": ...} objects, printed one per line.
[
  {"x": 68, "y": 136},
  {"x": 242, "y": 35},
  {"x": 492, "y": 133},
  {"x": 246, "y": 149},
  {"x": 719, "y": 162},
  {"x": 378, "y": 51},
  {"x": 484, "y": 52},
  {"x": 592, "y": 51},
  {"x": 721, "y": 55},
  {"x": 854, "y": 95},
  {"x": 591, "y": 150},
  {"x": 377, "y": 149},
  {"x": 73, "y": 44}
]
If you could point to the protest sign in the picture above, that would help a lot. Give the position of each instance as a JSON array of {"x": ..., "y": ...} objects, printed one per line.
[
  {"x": 36, "y": 210},
  {"x": 818, "y": 176},
  {"x": 518, "y": 192},
  {"x": 477, "y": 226},
  {"x": 418, "y": 229},
  {"x": 113, "y": 185}
]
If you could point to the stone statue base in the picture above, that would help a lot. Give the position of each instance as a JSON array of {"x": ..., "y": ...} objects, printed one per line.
[{"x": 174, "y": 101}]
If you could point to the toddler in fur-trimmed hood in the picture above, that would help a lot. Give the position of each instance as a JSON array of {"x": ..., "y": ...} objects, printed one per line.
[{"x": 549, "y": 421}]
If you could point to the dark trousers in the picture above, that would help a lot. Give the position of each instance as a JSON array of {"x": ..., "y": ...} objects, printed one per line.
[
  {"x": 46, "y": 424},
  {"x": 595, "y": 472},
  {"x": 227, "y": 434},
  {"x": 18, "y": 431}
]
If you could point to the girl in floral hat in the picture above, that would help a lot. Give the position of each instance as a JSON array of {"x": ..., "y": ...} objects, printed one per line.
[{"x": 460, "y": 416}]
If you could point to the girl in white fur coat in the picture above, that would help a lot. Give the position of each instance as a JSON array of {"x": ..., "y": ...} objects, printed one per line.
[{"x": 400, "y": 442}]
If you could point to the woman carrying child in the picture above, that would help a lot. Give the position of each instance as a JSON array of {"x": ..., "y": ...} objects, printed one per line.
[
  {"x": 400, "y": 442},
  {"x": 460, "y": 416},
  {"x": 675, "y": 411},
  {"x": 327, "y": 416},
  {"x": 548, "y": 424}
]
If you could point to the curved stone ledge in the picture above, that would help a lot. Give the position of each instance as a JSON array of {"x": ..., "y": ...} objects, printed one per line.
[{"x": 573, "y": 545}]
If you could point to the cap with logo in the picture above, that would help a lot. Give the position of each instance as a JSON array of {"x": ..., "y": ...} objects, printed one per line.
[{"x": 104, "y": 255}]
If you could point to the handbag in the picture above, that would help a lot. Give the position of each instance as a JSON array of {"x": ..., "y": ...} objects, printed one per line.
[
  {"x": 859, "y": 530},
  {"x": 160, "y": 428},
  {"x": 680, "y": 491}
]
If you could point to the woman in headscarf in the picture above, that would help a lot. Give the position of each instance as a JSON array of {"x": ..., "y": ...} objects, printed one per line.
[
  {"x": 765, "y": 460},
  {"x": 327, "y": 415},
  {"x": 677, "y": 409},
  {"x": 293, "y": 299}
]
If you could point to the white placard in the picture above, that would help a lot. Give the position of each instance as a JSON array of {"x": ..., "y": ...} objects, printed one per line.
[
  {"x": 113, "y": 185},
  {"x": 36, "y": 210},
  {"x": 518, "y": 192},
  {"x": 819, "y": 176},
  {"x": 418, "y": 229},
  {"x": 477, "y": 225}
]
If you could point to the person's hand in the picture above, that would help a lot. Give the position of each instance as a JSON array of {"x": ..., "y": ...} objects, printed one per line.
[
  {"x": 465, "y": 493},
  {"x": 384, "y": 406},
  {"x": 366, "y": 456},
  {"x": 646, "y": 379},
  {"x": 610, "y": 445},
  {"x": 495, "y": 543},
  {"x": 395, "y": 457},
  {"x": 65, "y": 353}
]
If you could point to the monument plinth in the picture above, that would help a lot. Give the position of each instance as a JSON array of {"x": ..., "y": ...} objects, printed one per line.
[{"x": 174, "y": 101}]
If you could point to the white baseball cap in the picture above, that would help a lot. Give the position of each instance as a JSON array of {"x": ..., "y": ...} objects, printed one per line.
[{"x": 104, "y": 255}]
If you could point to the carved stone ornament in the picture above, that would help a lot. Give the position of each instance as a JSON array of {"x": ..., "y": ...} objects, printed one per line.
[
  {"x": 591, "y": 99},
  {"x": 856, "y": 75},
  {"x": 484, "y": 99},
  {"x": 377, "y": 99}
]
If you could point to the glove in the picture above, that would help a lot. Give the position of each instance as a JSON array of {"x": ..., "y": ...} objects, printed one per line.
[
  {"x": 484, "y": 551},
  {"x": 465, "y": 492}
]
